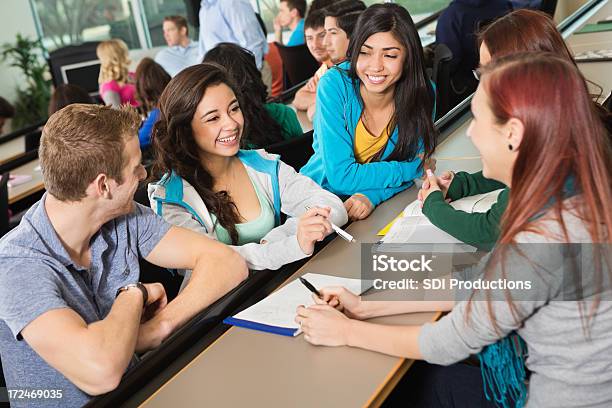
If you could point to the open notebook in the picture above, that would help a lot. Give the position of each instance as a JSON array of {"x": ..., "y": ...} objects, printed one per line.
[
  {"x": 276, "y": 313},
  {"x": 413, "y": 227}
]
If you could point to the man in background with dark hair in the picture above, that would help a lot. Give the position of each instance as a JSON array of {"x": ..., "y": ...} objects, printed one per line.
[
  {"x": 181, "y": 52},
  {"x": 314, "y": 28},
  {"x": 7, "y": 111},
  {"x": 291, "y": 16}
]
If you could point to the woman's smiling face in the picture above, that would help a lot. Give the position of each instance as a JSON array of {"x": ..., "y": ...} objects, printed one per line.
[
  {"x": 218, "y": 122},
  {"x": 380, "y": 62}
]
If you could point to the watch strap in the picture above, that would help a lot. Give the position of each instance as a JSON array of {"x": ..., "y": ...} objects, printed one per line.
[{"x": 145, "y": 293}]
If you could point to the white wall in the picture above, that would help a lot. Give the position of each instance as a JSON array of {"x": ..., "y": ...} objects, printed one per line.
[{"x": 16, "y": 18}]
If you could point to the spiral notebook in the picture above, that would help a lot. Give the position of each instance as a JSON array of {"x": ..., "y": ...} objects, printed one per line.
[{"x": 276, "y": 313}]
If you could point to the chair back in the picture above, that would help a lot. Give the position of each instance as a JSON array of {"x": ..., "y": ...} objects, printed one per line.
[
  {"x": 295, "y": 152},
  {"x": 441, "y": 76},
  {"x": 298, "y": 64}
]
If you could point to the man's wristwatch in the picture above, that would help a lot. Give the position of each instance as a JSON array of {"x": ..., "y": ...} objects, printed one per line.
[{"x": 145, "y": 293}]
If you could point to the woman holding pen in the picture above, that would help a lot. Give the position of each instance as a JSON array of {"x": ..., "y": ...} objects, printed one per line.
[
  {"x": 556, "y": 157},
  {"x": 207, "y": 184},
  {"x": 374, "y": 116}
]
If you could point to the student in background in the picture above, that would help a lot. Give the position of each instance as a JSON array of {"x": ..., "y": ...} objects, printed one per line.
[
  {"x": 521, "y": 30},
  {"x": 181, "y": 51},
  {"x": 116, "y": 82},
  {"x": 374, "y": 114},
  {"x": 7, "y": 111},
  {"x": 557, "y": 158},
  {"x": 315, "y": 38},
  {"x": 66, "y": 94},
  {"x": 151, "y": 79},
  {"x": 290, "y": 16},
  {"x": 340, "y": 21},
  {"x": 265, "y": 123},
  {"x": 72, "y": 315},
  {"x": 457, "y": 28},
  {"x": 233, "y": 21},
  {"x": 235, "y": 196}
]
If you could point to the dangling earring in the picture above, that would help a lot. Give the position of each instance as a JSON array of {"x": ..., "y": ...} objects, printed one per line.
[{"x": 510, "y": 147}]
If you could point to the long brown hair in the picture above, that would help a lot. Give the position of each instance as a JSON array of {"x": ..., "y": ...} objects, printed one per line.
[
  {"x": 562, "y": 141},
  {"x": 523, "y": 31},
  {"x": 174, "y": 144},
  {"x": 534, "y": 31},
  {"x": 151, "y": 80}
]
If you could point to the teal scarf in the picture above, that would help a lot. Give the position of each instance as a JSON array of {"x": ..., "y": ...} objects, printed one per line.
[
  {"x": 503, "y": 372},
  {"x": 502, "y": 364}
]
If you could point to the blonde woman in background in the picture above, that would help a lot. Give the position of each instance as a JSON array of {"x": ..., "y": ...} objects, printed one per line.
[{"x": 116, "y": 82}]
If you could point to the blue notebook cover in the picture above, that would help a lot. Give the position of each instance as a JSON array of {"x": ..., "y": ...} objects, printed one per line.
[{"x": 283, "y": 331}]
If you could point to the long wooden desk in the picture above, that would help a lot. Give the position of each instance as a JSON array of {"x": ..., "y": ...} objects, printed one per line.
[
  {"x": 598, "y": 72},
  {"x": 243, "y": 366},
  {"x": 33, "y": 186},
  {"x": 11, "y": 149}
]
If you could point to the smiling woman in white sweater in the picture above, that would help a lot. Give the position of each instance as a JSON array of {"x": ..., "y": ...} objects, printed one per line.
[
  {"x": 209, "y": 185},
  {"x": 556, "y": 156}
]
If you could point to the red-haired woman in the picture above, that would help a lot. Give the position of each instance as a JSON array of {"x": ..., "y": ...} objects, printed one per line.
[
  {"x": 519, "y": 31},
  {"x": 557, "y": 159}
]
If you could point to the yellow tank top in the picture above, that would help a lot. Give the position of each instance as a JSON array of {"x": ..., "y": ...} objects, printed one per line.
[{"x": 367, "y": 145}]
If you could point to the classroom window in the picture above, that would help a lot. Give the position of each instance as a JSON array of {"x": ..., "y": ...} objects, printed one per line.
[{"x": 72, "y": 22}]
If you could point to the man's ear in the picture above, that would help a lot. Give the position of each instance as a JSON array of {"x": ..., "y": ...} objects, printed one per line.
[
  {"x": 101, "y": 186},
  {"x": 515, "y": 129},
  {"x": 183, "y": 31}
]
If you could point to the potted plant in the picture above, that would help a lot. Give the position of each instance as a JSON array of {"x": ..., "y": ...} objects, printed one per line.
[{"x": 33, "y": 98}]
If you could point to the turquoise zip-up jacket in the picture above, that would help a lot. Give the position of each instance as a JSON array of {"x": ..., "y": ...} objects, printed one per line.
[{"x": 333, "y": 165}]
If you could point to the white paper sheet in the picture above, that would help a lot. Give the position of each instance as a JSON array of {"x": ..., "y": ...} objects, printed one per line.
[{"x": 279, "y": 309}]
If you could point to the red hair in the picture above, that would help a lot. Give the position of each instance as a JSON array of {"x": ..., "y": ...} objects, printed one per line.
[
  {"x": 563, "y": 138},
  {"x": 524, "y": 31}
]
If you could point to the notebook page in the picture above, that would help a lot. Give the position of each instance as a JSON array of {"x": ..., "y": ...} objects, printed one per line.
[
  {"x": 477, "y": 203},
  {"x": 279, "y": 308}
]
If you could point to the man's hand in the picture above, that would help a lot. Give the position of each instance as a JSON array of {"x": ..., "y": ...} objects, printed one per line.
[{"x": 156, "y": 301}]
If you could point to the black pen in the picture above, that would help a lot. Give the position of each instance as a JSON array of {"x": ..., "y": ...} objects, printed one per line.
[{"x": 310, "y": 287}]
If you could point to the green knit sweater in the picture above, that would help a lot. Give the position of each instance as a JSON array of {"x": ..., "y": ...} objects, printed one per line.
[{"x": 478, "y": 229}]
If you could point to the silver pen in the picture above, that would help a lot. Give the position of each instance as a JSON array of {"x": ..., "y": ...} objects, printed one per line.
[{"x": 342, "y": 233}]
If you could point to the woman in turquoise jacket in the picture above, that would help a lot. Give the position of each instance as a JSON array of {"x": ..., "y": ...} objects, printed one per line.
[{"x": 373, "y": 124}]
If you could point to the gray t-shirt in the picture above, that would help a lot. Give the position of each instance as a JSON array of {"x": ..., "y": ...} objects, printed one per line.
[{"x": 37, "y": 275}]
